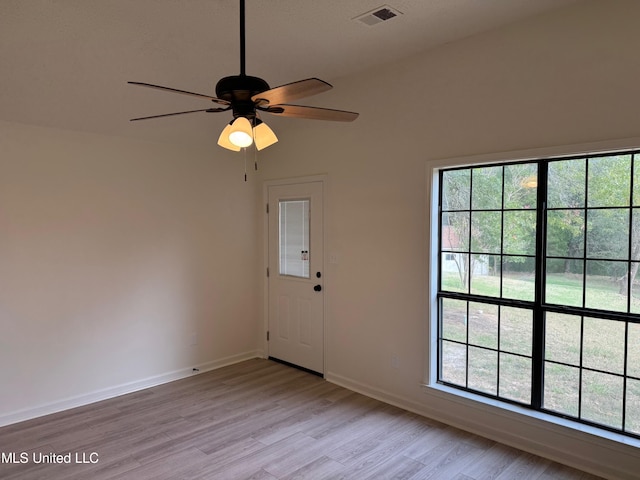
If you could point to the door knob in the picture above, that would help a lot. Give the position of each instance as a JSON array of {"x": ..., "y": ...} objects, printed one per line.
[{"x": 318, "y": 288}]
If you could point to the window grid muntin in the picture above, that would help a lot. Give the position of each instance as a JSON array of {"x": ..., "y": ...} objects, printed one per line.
[
  {"x": 499, "y": 348},
  {"x": 539, "y": 306},
  {"x": 581, "y": 368}
]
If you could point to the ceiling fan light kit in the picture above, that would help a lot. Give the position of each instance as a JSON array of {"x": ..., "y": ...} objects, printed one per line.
[
  {"x": 237, "y": 135},
  {"x": 245, "y": 96}
]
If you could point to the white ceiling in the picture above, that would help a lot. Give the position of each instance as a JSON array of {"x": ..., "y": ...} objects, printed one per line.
[{"x": 65, "y": 63}]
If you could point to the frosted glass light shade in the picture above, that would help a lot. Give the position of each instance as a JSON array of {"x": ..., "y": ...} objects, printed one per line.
[
  {"x": 224, "y": 142},
  {"x": 240, "y": 134},
  {"x": 263, "y": 136}
]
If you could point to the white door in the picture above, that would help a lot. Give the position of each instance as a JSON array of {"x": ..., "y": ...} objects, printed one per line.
[{"x": 296, "y": 314}]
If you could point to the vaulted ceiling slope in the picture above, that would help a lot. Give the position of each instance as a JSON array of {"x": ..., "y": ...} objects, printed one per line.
[{"x": 65, "y": 63}]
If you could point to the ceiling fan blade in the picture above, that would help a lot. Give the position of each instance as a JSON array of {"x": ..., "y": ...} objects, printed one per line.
[
  {"x": 313, "y": 113},
  {"x": 292, "y": 91},
  {"x": 181, "y": 113},
  {"x": 184, "y": 92}
]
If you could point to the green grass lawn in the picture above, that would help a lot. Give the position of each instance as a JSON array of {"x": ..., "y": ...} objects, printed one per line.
[
  {"x": 561, "y": 289},
  {"x": 500, "y": 347}
]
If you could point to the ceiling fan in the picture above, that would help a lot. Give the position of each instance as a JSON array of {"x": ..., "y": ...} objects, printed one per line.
[{"x": 248, "y": 96}]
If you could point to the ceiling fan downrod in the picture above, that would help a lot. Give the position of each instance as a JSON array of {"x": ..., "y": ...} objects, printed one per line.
[{"x": 242, "y": 40}]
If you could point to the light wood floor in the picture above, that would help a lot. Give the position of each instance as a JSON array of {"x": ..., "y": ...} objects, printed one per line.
[{"x": 260, "y": 420}]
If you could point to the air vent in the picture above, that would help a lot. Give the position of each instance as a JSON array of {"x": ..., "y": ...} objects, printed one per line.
[{"x": 378, "y": 15}]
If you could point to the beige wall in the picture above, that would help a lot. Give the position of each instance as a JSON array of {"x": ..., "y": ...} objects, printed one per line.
[
  {"x": 570, "y": 77},
  {"x": 113, "y": 255}
]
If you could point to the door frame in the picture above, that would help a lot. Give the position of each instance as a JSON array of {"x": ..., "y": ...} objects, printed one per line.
[{"x": 322, "y": 178}]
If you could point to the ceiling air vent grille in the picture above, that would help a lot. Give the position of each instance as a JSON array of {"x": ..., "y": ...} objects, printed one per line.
[{"x": 378, "y": 15}]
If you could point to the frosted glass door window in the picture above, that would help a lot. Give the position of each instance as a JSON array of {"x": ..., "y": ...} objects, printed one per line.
[{"x": 294, "y": 238}]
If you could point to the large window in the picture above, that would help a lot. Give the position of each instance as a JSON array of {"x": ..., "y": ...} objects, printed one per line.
[{"x": 538, "y": 295}]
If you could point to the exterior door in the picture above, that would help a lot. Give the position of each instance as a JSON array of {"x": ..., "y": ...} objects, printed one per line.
[{"x": 295, "y": 282}]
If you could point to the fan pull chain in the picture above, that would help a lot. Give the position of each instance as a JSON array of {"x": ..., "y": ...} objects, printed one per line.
[
  {"x": 255, "y": 158},
  {"x": 254, "y": 123}
]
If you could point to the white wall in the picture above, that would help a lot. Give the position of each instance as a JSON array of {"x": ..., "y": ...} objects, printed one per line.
[
  {"x": 570, "y": 77},
  {"x": 113, "y": 255},
  {"x": 113, "y": 252}
]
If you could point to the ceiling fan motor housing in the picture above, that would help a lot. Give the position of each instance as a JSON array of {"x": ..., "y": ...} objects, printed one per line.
[{"x": 238, "y": 89}]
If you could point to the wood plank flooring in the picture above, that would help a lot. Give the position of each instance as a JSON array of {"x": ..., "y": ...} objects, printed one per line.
[{"x": 258, "y": 420}]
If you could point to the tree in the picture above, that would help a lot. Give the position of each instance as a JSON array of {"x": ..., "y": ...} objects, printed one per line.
[
  {"x": 566, "y": 227},
  {"x": 602, "y": 196},
  {"x": 455, "y": 200}
]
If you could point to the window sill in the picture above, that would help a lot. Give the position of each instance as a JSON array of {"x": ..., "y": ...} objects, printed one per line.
[{"x": 496, "y": 407}]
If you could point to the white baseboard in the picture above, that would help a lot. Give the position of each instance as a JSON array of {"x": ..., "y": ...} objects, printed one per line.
[
  {"x": 575, "y": 448},
  {"x": 115, "y": 391}
]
